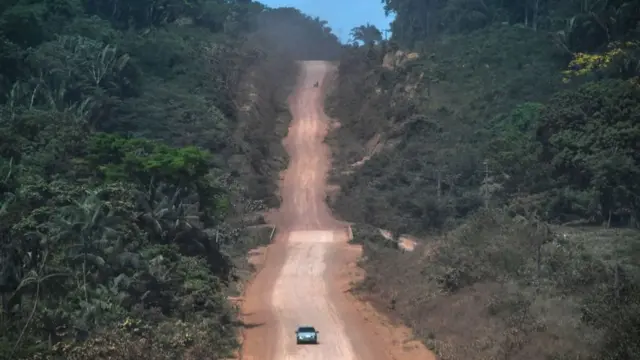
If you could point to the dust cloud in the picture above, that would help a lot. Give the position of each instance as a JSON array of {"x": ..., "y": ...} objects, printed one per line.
[{"x": 298, "y": 35}]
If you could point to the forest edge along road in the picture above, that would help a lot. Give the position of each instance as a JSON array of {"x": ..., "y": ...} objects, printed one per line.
[{"x": 304, "y": 275}]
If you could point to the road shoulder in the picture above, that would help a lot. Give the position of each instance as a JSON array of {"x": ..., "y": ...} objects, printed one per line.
[
  {"x": 374, "y": 335},
  {"x": 259, "y": 340}
]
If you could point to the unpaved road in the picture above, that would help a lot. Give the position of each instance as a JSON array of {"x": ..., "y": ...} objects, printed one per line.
[{"x": 298, "y": 284}]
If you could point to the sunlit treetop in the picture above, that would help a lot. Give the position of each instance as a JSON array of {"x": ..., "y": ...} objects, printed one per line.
[{"x": 620, "y": 58}]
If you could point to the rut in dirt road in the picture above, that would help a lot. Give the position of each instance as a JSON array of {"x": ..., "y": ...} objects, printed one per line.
[
  {"x": 303, "y": 185},
  {"x": 300, "y": 281},
  {"x": 300, "y": 294},
  {"x": 307, "y": 233}
]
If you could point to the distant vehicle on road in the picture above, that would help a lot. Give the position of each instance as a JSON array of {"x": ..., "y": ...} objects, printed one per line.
[
  {"x": 316, "y": 84},
  {"x": 306, "y": 335}
]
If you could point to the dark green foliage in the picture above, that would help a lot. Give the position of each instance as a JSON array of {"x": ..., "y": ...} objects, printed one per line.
[
  {"x": 590, "y": 137},
  {"x": 513, "y": 148},
  {"x": 475, "y": 143},
  {"x": 580, "y": 26},
  {"x": 497, "y": 76},
  {"x": 129, "y": 166}
]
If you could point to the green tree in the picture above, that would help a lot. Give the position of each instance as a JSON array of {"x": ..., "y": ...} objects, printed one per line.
[
  {"x": 513, "y": 150},
  {"x": 145, "y": 161},
  {"x": 589, "y": 138},
  {"x": 368, "y": 34}
]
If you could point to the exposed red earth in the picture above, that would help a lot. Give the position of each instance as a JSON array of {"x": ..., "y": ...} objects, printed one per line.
[{"x": 303, "y": 278}]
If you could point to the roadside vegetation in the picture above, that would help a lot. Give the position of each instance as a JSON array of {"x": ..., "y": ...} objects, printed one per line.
[
  {"x": 137, "y": 142},
  {"x": 504, "y": 135}
]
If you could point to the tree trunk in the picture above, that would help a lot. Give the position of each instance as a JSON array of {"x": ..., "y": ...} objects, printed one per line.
[
  {"x": 439, "y": 180},
  {"x": 538, "y": 256},
  {"x": 536, "y": 7}
]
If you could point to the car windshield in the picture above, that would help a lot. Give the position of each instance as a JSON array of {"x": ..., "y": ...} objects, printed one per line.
[{"x": 306, "y": 329}]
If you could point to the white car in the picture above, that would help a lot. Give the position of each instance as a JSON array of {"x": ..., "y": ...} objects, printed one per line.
[{"x": 306, "y": 335}]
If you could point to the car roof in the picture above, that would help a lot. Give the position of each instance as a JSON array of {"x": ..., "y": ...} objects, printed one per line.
[{"x": 306, "y": 328}]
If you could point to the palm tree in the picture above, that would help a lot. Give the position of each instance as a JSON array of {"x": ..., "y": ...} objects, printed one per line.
[
  {"x": 368, "y": 34},
  {"x": 166, "y": 215},
  {"x": 91, "y": 227}
]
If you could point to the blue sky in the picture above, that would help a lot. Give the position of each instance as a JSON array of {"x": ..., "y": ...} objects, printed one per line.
[{"x": 342, "y": 15}]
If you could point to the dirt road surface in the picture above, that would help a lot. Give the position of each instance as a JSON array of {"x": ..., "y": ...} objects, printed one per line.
[{"x": 299, "y": 283}]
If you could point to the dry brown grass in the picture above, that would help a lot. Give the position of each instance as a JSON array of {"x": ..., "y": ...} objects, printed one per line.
[{"x": 497, "y": 315}]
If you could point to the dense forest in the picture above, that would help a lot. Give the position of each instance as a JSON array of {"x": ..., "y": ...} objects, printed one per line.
[
  {"x": 503, "y": 136},
  {"x": 137, "y": 141}
]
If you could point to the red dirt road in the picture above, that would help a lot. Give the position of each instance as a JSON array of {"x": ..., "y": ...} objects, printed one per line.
[{"x": 302, "y": 279}]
